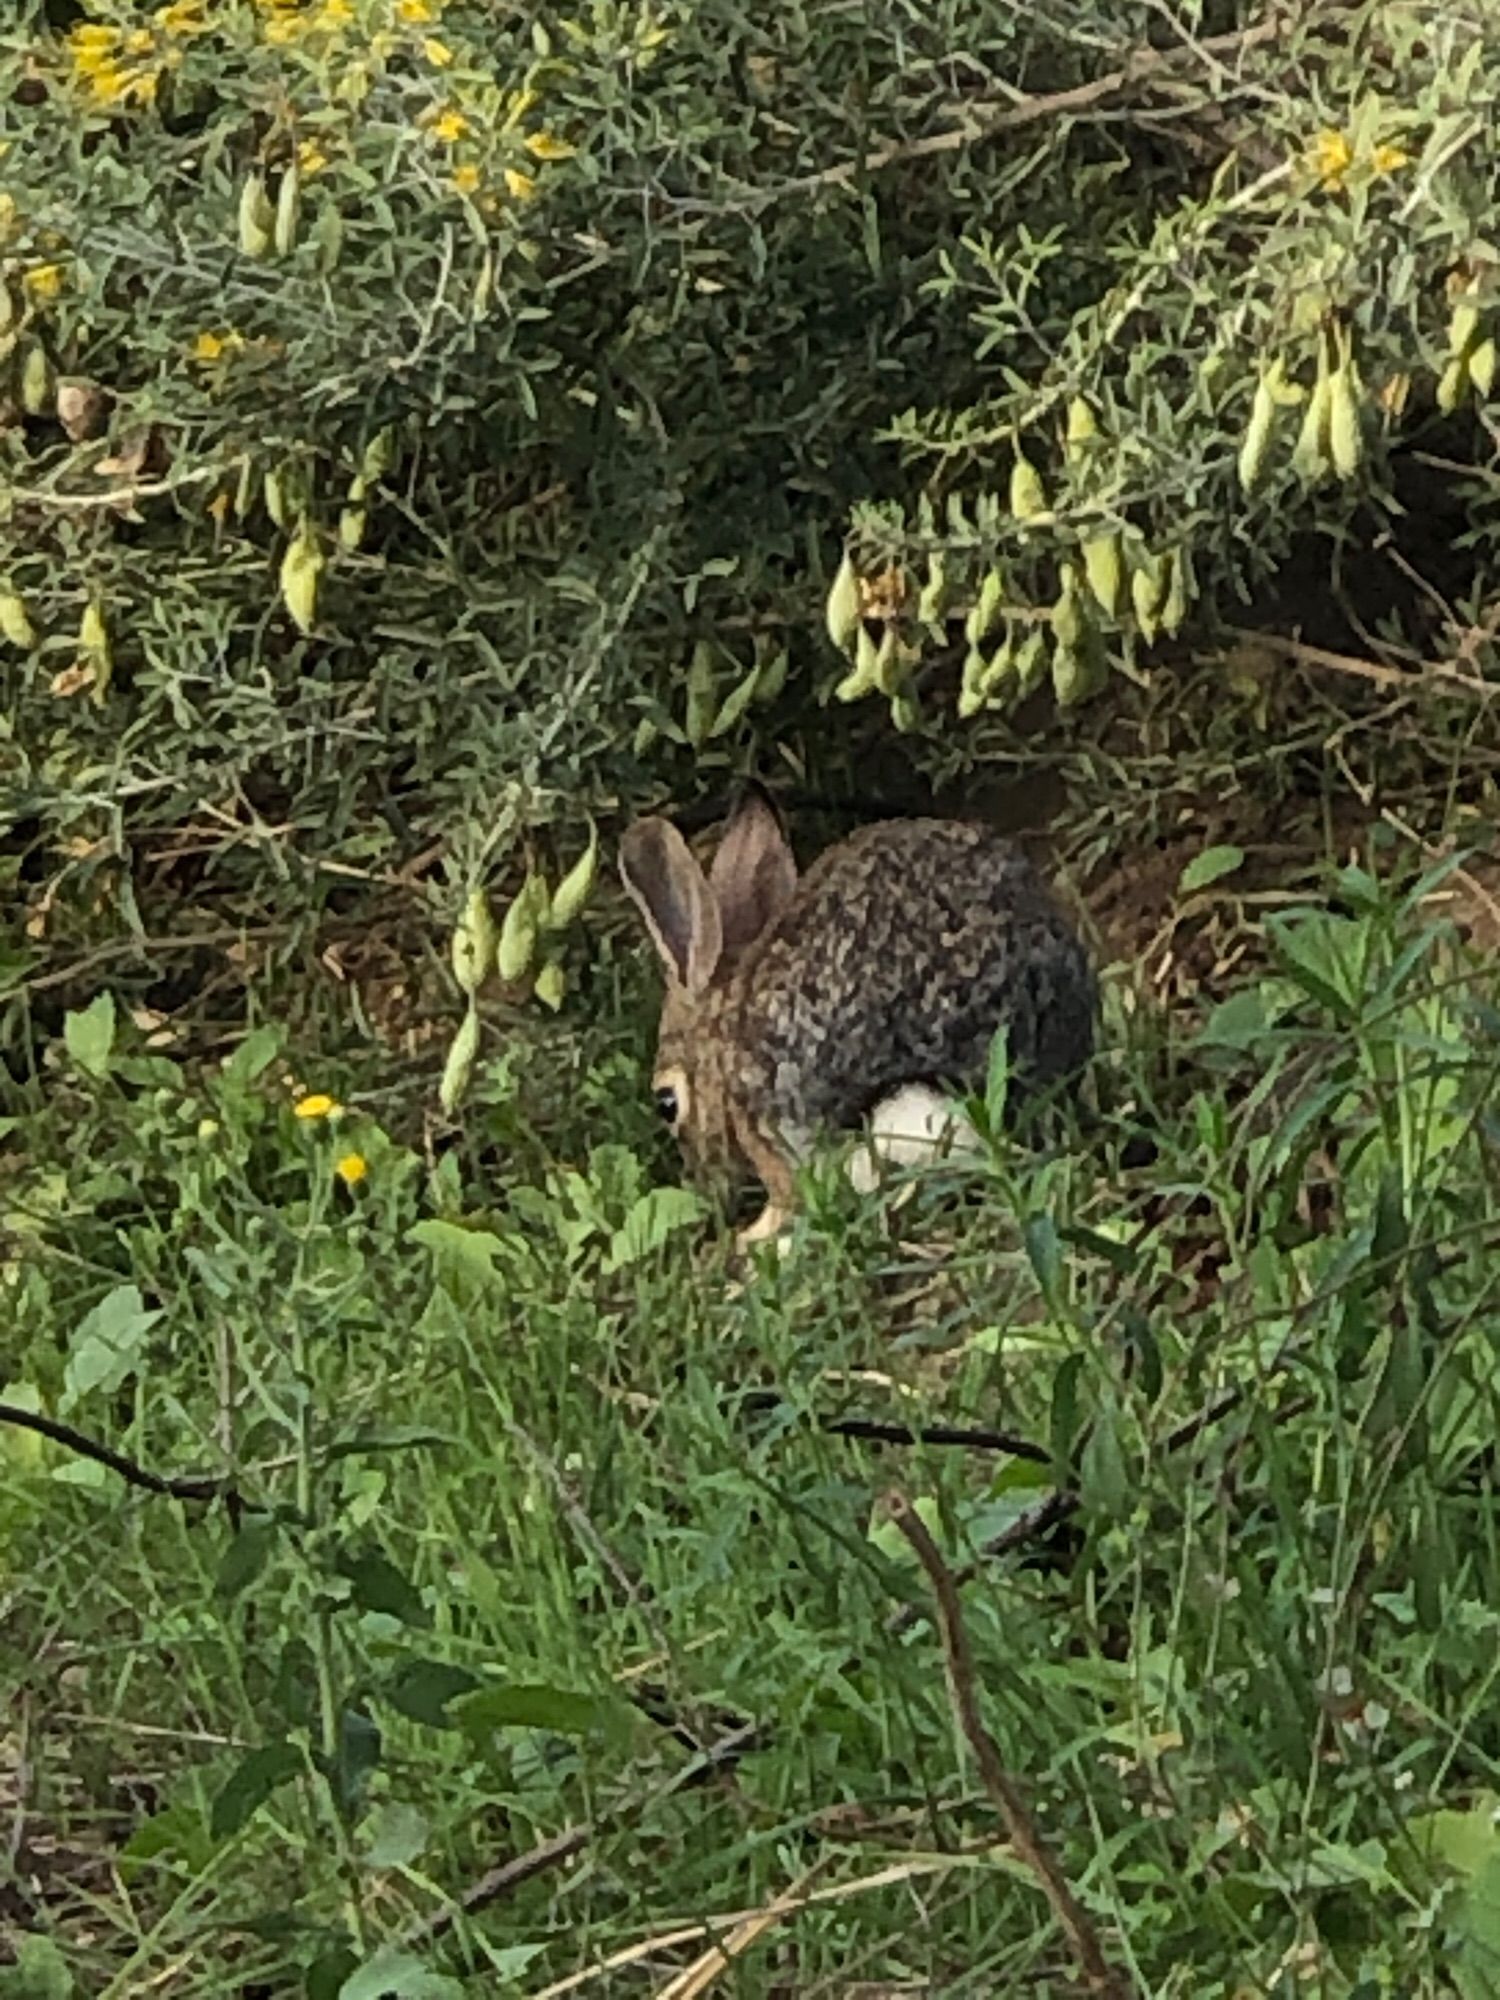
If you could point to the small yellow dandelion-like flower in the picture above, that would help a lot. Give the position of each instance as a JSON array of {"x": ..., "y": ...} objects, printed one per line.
[
  {"x": 437, "y": 53},
  {"x": 317, "y": 1104},
  {"x": 311, "y": 158},
  {"x": 1389, "y": 159},
  {"x": 1332, "y": 157},
  {"x": 352, "y": 1169},
  {"x": 450, "y": 126},
  {"x": 44, "y": 281},
  {"x": 333, "y": 14},
  {"x": 466, "y": 179},
  {"x": 218, "y": 508},
  {"x": 210, "y": 346},
  {"x": 522, "y": 187},
  {"x": 182, "y": 17},
  {"x": 545, "y": 146},
  {"x": 416, "y": 13}
]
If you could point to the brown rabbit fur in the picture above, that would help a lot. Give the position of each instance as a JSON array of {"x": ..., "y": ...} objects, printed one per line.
[{"x": 792, "y": 1007}]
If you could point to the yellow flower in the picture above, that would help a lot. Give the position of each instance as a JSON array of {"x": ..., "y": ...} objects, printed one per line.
[
  {"x": 543, "y": 146},
  {"x": 416, "y": 13},
  {"x": 44, "y": 281},
  {"x": 214, "y": 346},
  {"x": 449, "y": 127},
  {"x": 317, "y": 1105},
  {"x": 522, "y": 187},
  {"x": 1332, "y": 156},
  {"x": 182, "y": 17},
  {"x": 351, "y": 1169},
  {"x": 311, "y": 158},
  {"x": 1387, "y": 159},
  {"x": 437, "y": 53},
  {"x": 466, "y": 179}
]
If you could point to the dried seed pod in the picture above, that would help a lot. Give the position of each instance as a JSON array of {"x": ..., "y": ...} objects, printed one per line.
[
  {"x": 473, "y": 945},
  {"x": 257, "y": 219},
  {"x": 575, "y": 888},
  {"x": 1028, "y": 497},
  {"x": 459, "y": 1067},
  {"x": 301, "y": 567},
  {"x": 982, "y": 619},
  {"x": 288, "y": 209},
  {"x": 516, "y": 947},
  {"x": 1105, "y": 570},
  {"x": 841, "y": 612},
  {"x": 16, "y": 627}
]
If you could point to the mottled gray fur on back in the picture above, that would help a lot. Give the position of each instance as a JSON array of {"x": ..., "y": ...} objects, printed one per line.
[{"x": 903, "y": 951}]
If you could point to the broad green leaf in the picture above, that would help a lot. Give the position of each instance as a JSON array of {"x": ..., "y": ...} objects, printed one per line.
[
  {"x": 250, "y": 1784},
  {"x": 39, "y": 1973},
  {"x": 1102, "y": 1476},
  {"x": 395, "y": 1836},
  {"x": 377, "y": 1585},
  {"x": 90, "y": 1035},
  {"x": 245, "y": 1555},
  {"x": 422, "y": 1690},
  {"x": 1212, "y": 865},
  {"x": 471, "y": 1252},
  {"x": 652, "y": 1219},
  {"x": 356, "y": 1759},
  {"x": 535, "y": 1706},
  {"x": 106, "y": 1349},
  {"x": 397, "y": 1975}
]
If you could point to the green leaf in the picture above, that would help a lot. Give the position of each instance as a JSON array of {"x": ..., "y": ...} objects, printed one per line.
[
  {"x": 245, "y": 1556},
  {"x": 997, "y": 1080},
  {"x": 106, "y": 1349},
  {"x": 652, "y": 1219},
  {"x": 395, "y": 1836},
  {"x": 1102, "y": 1475},
  {"x": 254, "y": 1779},
  {"x": 397, "y": 1975},
  {"x": 1044, "y": 1252},
  {"x": 252, "y": 1058},
  {"x": 536, "y": 1706},
  {"x": 39, "y": 1973},
  {"x": 1212, "y": 865},
  {"x": 176, "y": 1835},
  {"x": 422, "y": 1689},
  {"x": 90, "y": 1035},
  {"x": 1063, "y": 1415},
  {"x": 377, "y": 1585},
  {"x": 470, "y": 1253},
  {"x": 355, "y": 1760},
  {"x": 1236, "y": 1023}
]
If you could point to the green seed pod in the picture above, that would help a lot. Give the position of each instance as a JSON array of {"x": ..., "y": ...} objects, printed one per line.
[
  {"x": 16, "y": 627},
  {"x": 1310, "y": 455},
  {"x": 971, "y": 688},
  {"x": 1482, "y": 367},
  {"x": 379, "y": 456},
  {"x": 473, "y": 946},
  {"x": 276, "y": 496},
  {"x": 575, "y": 888},
  {"x": 1031, "y": 663},
  {"x": 516, "y": 947},
  {"x": 459, "y": 1067},
  {"x": 702, "y": 695},
  {"x": 905, "y": 714},
  {"x": 1104, "y": 567},
  {"x": 1028, "y": 497},
  {"x": 301, "y": 567},
  {"x": 1148, "y": 587},
  {"x": 841, "y": 612},
  {"x": 1345, "y": 439},
  {"x": 864, "y": 677},
  {"x": 351, "y": 527},
  {"x": 38, "y": 382},
  {"x": 933, "y": 598},
  {"x": 551, "y": 984},
  {"x": 1175, "y": 602},
  {"x": 890, "y": 663},
  {"x": 1257, "y": 437},
  {"x": 1067, "y": 619},
  {"x": 1463, "y": 327},
  {"x": 257, "y": 219},
  {"x": 244, "y": 489},
  {"x": 1069, "y": 676},
  {"x": 1452, "y": 384},
  {"x": 1081, "y": 427},
  {"x": 10, "y": 313},
  {"x": 288, "y": 208},
  {"x": 982, "y": 619}
]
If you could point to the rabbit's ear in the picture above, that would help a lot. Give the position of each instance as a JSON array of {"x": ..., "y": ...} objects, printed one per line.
[
  {"x": 753, "y": 874},
  {"x": 668, "y": 888}
]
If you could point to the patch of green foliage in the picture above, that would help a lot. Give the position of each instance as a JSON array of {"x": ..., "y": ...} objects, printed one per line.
[{"x": 547, "y": 1528}]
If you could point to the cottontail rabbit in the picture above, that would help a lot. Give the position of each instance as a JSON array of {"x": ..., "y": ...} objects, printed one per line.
[{"x": 794, "y": 1006}]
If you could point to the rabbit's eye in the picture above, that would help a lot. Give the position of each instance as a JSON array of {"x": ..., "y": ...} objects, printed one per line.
[{"x": 666, "y": 1103}]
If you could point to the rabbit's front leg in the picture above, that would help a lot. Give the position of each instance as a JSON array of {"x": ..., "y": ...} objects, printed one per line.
[{"x": 777, "y": 1175}]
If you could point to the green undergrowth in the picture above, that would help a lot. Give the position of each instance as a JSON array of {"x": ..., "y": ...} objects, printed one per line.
[{"x": 549, "y": 1524}]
